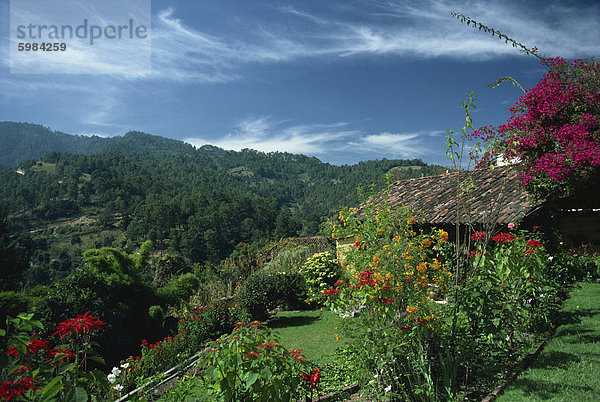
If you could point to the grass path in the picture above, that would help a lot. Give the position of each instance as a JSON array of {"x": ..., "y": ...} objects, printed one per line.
[
  {"x": 311, "y": 331},
  {"x": 568, "y": 369}
]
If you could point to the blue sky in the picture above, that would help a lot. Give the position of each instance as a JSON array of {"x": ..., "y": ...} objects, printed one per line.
[{"x": 341, "y": 80}]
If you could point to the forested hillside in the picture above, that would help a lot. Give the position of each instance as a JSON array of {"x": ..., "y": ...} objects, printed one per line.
[{"x": 198, "y": 203}]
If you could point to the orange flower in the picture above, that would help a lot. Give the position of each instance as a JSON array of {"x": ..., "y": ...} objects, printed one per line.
[
  {"x": 411, "y": 310},
  {"x": 443, "y": 236}
]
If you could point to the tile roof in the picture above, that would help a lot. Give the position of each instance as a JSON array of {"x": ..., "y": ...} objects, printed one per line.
[{"x": 496, "y": 193}]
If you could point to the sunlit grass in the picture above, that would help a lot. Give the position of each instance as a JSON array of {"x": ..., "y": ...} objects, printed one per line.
[
  {"x": 568, "y": 369},
  {"x": 311, "y": 331}
]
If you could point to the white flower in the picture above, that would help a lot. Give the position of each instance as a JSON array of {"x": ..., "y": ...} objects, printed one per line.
[
  {"x": 118, "y": 388},
  {"x": 111, "y": 378},
  {"x": 116, "y": 371},
  {"x": 124, "y": 365},
  {"x": 388, "y": 389},
  {"x": 550, "y": 258}
]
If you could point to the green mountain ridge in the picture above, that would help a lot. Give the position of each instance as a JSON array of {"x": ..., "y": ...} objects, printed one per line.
[
  {"x": 89, "y": 192},
  {"x": 26, "y": 141}
]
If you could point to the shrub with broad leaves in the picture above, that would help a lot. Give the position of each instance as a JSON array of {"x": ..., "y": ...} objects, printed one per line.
[{"x": 248, "y": 364}]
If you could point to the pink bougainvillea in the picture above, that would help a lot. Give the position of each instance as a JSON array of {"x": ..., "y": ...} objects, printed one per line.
[{"x": 554, "y": 129}]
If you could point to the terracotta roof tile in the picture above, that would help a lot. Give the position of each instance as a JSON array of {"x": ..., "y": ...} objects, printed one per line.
[{"x": 496, "y": 192}]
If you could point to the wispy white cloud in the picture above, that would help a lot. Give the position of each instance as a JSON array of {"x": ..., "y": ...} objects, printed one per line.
[
  {"x": 423, "y": 30},
  {"x": 184, "y": 53},
  {"x": 266, "y": 135}
]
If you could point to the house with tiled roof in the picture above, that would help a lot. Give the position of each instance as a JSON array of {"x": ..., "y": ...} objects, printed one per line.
[{"x": 492, "y": 198}]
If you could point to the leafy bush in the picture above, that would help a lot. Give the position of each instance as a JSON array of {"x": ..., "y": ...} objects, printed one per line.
[
  {"x": 169, "y": 266},
  {"x": 108, "y": 283},
  {"x": 209, "y": 322},
  {"x": 179, "y": 289},
  {"x": 571, "y": 267},
  {"x": 290, "y": 259},
  {"x": 320, "y": 272},
  {"x": 249, "y": 364},
  {"x": 263, "y": 292},
  {"x": 157, "y": 314},
  {"x": 11, "y": 304}
]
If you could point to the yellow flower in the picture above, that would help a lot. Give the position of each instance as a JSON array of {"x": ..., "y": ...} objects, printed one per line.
[
  {"x": 411, "y": 310},
  {"x": 443, "y": 236}
]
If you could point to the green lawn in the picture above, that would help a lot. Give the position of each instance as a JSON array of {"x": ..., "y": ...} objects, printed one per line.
[
  {"x": 568, "y": 369},
  {"x": 311, "y": 331}
]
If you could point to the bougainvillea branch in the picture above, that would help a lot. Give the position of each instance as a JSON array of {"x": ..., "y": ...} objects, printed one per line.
[{"x": 554, "y": 130}]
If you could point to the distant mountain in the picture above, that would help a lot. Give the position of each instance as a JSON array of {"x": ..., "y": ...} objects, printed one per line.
[
  {"x": 24, "y": 141},
  {"x": 298, "y": 181}
]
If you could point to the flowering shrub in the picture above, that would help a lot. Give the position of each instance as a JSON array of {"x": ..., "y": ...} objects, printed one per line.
[
  {"x": 209, "y": 322},
  {"x": 554, "y": 129},
  {"x": 248, "y": 364},
  {"x": 394, "y": 272},
  {"x": 320, "y": 272},
  {"x": 35, "y": 370},
  {"x": 510, "y": 294},
  {"x": 196, "y": 327}
]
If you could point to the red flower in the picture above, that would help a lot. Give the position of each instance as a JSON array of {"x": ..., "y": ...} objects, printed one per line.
[
  {"x": 503, "y": 238},
  {"x": 366, "y": 278},
  {"x": 12, "y": 351},
  {"x": 534, "y": 243},
  {"x": 530, "y": 251},
  {"x": 297, "y": 355},
  {"x": 338, "y": 283},
  {"x": 144, "y": 342},
  {"x": 255, "y": 354},
  {"x": 532, "y": 278},
  {"x": 475, "y": 252},
  {"x": 358, "y": 244},
  {"x": 305, "y": 377},
  {"x": 35, "y": 345},
  {"x": 239, "y": 324},
  {"x": 81, "y": 324},
  {"x": 478, "y": 235},
  {"x": 330, "y": 292},
  {"x": 18, "y": 387},
  {"x": 405, "y": 328},
  {"x": 315, "y": 376},
  {"x": 253, "y": 323},
  {"x": 21, "y": 369},
  {"x": 60, "y": 354},
  {"x": 386, "y": 300}
]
